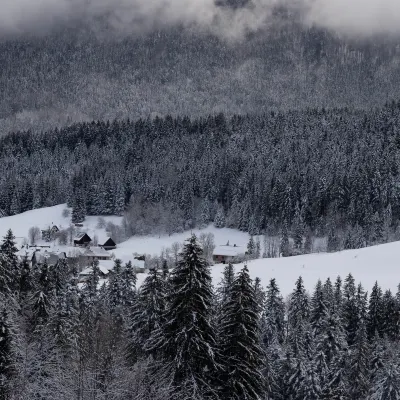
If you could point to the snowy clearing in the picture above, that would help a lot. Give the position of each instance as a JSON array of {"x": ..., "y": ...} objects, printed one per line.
[{"x": 378, "y": 263}]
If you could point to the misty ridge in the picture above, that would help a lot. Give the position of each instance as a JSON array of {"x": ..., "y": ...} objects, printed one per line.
[{"x": 63, "y": 61}]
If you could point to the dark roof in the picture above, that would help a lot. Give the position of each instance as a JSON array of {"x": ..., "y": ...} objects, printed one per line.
[
  {"x": 81, "y": 236},
  {"x": 108, "y": 242}
]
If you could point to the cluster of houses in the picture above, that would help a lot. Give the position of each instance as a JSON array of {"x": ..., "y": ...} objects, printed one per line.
[{"x": 82, "y": 254}]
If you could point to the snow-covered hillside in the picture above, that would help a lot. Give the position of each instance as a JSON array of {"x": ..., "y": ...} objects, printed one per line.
[{"x": 381, "y": 263}]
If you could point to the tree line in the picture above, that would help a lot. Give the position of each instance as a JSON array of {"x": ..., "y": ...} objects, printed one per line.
[
  {"x": 176, "y": 337},
  {"x": 316, "y": 172}
]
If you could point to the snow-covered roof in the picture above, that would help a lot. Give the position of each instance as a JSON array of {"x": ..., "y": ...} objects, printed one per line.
[
  {"x": 226, "y": 250},
  {"x": 24, "y": 252},
  {"x": 79, "y": 236},
  {"x": 138, "y": 263},
  {"x": 96, "y": 252},
  {"x": 102, "y": 238},
  {"x": 88, "y": 270}
]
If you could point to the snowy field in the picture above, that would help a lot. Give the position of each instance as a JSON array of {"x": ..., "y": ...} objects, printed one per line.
[{"x": 381, "y": 263}]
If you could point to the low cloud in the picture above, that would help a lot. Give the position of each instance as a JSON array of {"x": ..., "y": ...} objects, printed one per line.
[{"x": 359, "y": 17}]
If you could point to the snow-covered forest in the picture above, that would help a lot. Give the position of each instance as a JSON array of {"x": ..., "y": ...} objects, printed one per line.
[
  {"x": 321, "y": 172},
  {"x": 84, "y": 73},
  {"x": 177, "y": 337}
]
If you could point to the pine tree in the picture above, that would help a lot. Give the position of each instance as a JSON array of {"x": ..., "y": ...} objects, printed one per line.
[
  {"x": 284, "y": 247},
  {"x": 299, "y": 305},
  {"x": 129, "y": 284},
  {"x": 333, "y": 241},
  {"x": 225, "y": 286},
  {"x": 318, "y": 307},
  {"x": 146, "y": 321},
  {"x": 298, "y": 229},
  {"x": 7, "y": 356},
  {"x": 8, "y": 252},
  {"x": 259, "y": 293},
  {"x": 308, "y": 242},
  {"x": 387, "y": 385},
  {"x": 298, "y": 317},
  {"x": 190, "y": 344},
  {"x": 375, "y": 312},
  {"x": 115, "y": 290},
  {"x": 359, "y": 363},
  {"x": 90, "y": 287},
  {"x": 219, "y": 221},
  {"x": 240, "y": 348},
  {"x": 251, "y": 247},
  {"x": 350, "y": 311},
  {"x": 274, "y": 316},
  {"x": 257, "y": 252},
  {"x": 338, "y": 295},
  {"x": 390, "y": 316},
  {"x": 41, "y": 298},
  {"x": 5, "y": 275}
]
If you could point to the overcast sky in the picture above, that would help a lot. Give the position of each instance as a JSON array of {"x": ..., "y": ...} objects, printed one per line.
[{"x": 359, "y": 17}]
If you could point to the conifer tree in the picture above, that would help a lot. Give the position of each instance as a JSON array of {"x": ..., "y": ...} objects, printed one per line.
[
  {"x": 189, "y": 347},
  {"x": 333, "y": 241},
  {"x": 26, "y": 280},
  {"x": 146, "y": 320},
  {"x": 225, "y": 286},
  {"x": 284, "y": 247},
  {"x": 390, "y": 316},
  {"x": 338, "y": 295},
  {"x": 328, "y": 294},
  {"x": 318, "y": 307},
  {"x": 274, "y": 316},
  {"x": 90, "y": 288},
  {"x": 8, "y": 252},
  {"x": 5, "y": 276},
  {"x": 129, "y": 284},
  {"x": 240, "y": 348},
  {"x": 375, "y": 312},
  {"x": 41, "y": 298},
  {"x": 7, "y": 356},
  {"x": 350, "y": 310},
  {"x": 251, "y": 247},
  {"x": 298, "y": 318},
  {"x": 387, "y": 385},
  {"x": 219, "y": 220},
  {"x": 359, "y": 363}
]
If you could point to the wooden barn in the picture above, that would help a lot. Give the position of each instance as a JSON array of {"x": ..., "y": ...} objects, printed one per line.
[
  {"x": 82, "y": 240},
  {"x": 107, "y": 243}
]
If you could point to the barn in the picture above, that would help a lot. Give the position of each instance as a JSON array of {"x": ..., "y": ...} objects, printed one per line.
[
  {"x": 226, "y": 253},
  {"x": 82, "y": 240},
  {"x": 107, "y": 243}
]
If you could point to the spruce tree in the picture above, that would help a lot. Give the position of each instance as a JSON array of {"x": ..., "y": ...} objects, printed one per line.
[
  {"x": 359, "y": 363},
  {"x": 274, "y": 316},
  {"x": 189, "y": 345},
  {"x": 298, "y": 318},
  {"x": 8, "y": 252},
  {"x": 251, "y": 247},
  {"x": 350, "y": 311},
  {"x": 146, "y": 320},
  {"x": 240, "y": 348},
  {"x": 375, "y": 312},
  {"x": 7, "y": 356},
  {"x": 219, "y": 221},
  {"x": 387, "y": 385},
  {"x": 284, "y": 247},
  {"x": 390, "y": 316},
  {"x": 225, "y": 286},
  {"x": 318, "y": 307}
]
